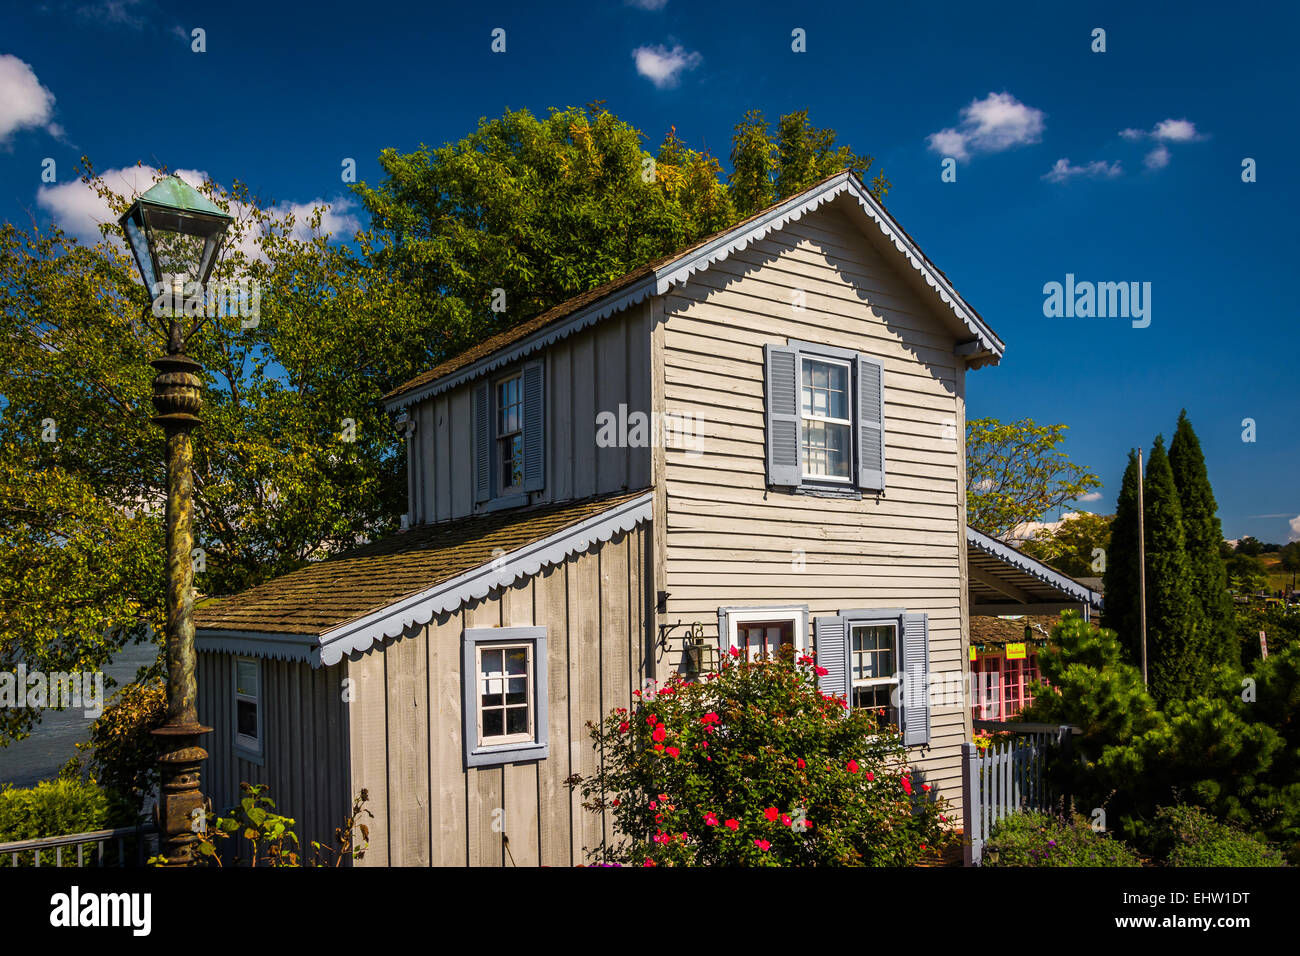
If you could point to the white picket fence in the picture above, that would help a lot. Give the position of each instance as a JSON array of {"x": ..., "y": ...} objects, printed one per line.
[{"x": 1007, "y": 776}]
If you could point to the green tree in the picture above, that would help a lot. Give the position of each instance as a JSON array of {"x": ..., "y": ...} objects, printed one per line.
[
  {"x": 1250, "y": 546},
  {"x": 1176, "y": 668},
  {"x": 1016, "y": 474},
  {"x": 1076, "y": 546},
  {"x": 1122, "y": 611},
  {"x": 295, "y": 457},
  {"x": 1200, "y": 515},
  {"x": 1246, "y": 573},
  {"x": 1290, "y": 560}
]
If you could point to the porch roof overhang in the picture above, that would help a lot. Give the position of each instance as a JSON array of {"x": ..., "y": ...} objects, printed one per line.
[{"x": 1004, "y": 580}]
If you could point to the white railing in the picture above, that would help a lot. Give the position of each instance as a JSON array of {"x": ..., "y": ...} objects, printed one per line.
[{"x": 133, "y": 845}]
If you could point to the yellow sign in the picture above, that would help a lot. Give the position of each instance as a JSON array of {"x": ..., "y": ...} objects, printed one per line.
[
  {"x": 1015, "y": 652},
  {"x": 972, "y": 652}
]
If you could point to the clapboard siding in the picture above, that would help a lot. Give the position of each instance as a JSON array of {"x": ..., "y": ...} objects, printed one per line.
[
  {"x": 590, "y": 372},
  {"x": 303, "y": 713},
  {"x": 406, "y": 730},
  {"x": 732, "y": 541}
]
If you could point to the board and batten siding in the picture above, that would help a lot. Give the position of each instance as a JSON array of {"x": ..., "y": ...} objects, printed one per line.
[
  {"x": 305, "y": 763},
  {"x": 592, "y": 371},
  {"x": 729, "y": 539},
  {"x": 406, "y": 729}
]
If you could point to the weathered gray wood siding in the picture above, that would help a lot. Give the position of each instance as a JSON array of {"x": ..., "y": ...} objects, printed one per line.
[
  {"x": 731, "y": 541},
  {"x": 305, "y": 728},
  {"x": 407, "y": 726},
  {"x": 589, "y": 372}
]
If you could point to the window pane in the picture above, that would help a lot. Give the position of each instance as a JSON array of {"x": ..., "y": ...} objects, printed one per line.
[
  {"x": 517, "y": 661},
  {"x": 825, "y": 392},
  {"x": 246, "y": 718},
  {"x": 246, "y": 678},
  {"x": 517, "y": 720},
  {"x": 826, "y": 448},
  {"x": 517, "y": 691},
  {"x": 493, "y": 723}
]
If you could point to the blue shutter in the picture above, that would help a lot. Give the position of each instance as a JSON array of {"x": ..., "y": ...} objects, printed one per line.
[
  {"x": 871, "y": 423},
  {"x": 482, "y": 442},
  {"x": 832, "y": 639},
  {"x": 916, "y": 669},
  {"x": 782, "y": 391},
  {"x": 534, "y": 427}
]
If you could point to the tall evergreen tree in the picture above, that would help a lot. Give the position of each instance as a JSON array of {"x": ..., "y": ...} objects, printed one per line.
[
  {"x": 1176, "y": 670},
  {"x": 1204, "y": 535},
  {"x": 1120, "y": 579}
]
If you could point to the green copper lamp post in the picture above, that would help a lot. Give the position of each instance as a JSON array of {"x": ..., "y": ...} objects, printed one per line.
[{"x": 175, "y": 234}]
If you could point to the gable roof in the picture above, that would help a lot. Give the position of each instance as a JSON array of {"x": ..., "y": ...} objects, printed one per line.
[
  {"x": 657, "y": 277},
  {"x": 343, "y": 604}
]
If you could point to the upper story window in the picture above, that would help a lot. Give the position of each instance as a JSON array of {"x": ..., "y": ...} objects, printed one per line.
[
  {"x": 825, "y": 418},
  {"x": 510, "y": 434},
  {"x": 826, "y": 432},
  {"x": 509, "y": 437}
]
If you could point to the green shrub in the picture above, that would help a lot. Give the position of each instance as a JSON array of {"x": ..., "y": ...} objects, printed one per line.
[
  {"x": 1191, "y": 837},
  {"x": 754, "y": 766},
  {"x": 124, "y": 752},
  {"x": 56, "y": 808},
  {"x": 1038, "y": 839}
]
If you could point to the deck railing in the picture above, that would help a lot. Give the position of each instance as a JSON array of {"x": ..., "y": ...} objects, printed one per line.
[
  {"x": 1007, "y": 776},
  {"x": 123, "y": 846}
]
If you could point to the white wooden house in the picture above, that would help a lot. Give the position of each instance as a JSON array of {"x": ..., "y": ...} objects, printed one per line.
[{"x": 762, "y": 434}]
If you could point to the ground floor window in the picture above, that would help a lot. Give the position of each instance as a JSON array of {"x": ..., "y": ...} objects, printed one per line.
[
  {"x": 505, "y": 695},
  {"x": 759, "y": 632},
  {"x": 873, "y": 656},
  {"x": 248, "y": 705}
]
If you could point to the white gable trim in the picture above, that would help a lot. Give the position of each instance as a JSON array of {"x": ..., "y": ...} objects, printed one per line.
[
  {"x": 1070, "y": 589},
  {"x": 986, "y": 346},
  {"x": 420, "y": 608}
]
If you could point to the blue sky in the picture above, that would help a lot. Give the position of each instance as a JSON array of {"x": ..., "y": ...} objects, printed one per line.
[{"x": 284, "y": 92}]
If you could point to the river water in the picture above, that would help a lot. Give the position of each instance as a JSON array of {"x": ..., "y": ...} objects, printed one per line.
[{"x": 41, "y": 756}]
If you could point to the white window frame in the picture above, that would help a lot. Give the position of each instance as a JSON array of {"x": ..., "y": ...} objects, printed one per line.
[
  {"x": 248, "y": 747},
  {"x": 850, "y": 423},
  {"x": 530, "y": 701},
  {"x": 515, "y": 748},
  {"x": 730, "y": 617},
  {"x": 893, "y": 681}
]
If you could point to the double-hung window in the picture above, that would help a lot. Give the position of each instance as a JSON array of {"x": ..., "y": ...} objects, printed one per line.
[
  {"x": 825, "y": 429},
  {"x": 879, "y": 659},
  {"x": 510, "y": 434},
  {"x": 825, "y": 419},
  {"x": 505, "y": 695},
  {"x": 248, "y": 706},
  {"x": 872, "y": 668},
  {"x": 509, "y": 437}
]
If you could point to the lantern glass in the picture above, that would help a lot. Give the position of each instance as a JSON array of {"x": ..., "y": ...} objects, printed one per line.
[{"x": 174, "y": 232}]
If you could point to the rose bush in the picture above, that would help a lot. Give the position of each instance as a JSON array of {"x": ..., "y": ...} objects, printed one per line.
[{"x": 754, "y": 766}]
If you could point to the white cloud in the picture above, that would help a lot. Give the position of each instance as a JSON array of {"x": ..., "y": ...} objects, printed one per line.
[
  {"x": 1158, "y": 158},
  {"x": 1295, "y": 529},
  {"x": 651, "y": 5},
  {"x": 1062, "y": 171},
  {"x": 79, "y": 210},
  {"x": 991, "y": 125},
  {"x": 1168, "y": 130},
  {"x": 24, "y": 102},
  {"x": 1178, "y": 131},
  {"x": 664, "y": 67},
  {"x": 1091, "y": 496}
]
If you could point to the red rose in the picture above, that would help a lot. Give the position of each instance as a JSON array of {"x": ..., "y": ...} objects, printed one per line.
[
  {"x": 660, "y": 732},
  {"x": 673, "y": 752},
  {"x": 799, "y": 763},
  {"x": 853, "y": 766},
  {"x": 771, "y": 813},
  {"x": 732, "y": 824},
  {"x": 785, "y": 820},
  {"x": 622, "y": 728},
  {"x": 907, "y": 786},
  {"x": 762, "y": 845},
  {"x": 870, "y": 776},
  {"x": 710, "y": 819}
]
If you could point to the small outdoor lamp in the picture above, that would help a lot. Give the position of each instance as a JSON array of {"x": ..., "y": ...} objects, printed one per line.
[{"x": 175, "y": 234}]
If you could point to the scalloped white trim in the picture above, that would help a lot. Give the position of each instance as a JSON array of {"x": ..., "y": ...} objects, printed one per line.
[
  {"x": 1032, "y": 566},
  {"x": 680, "y": 270}
]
